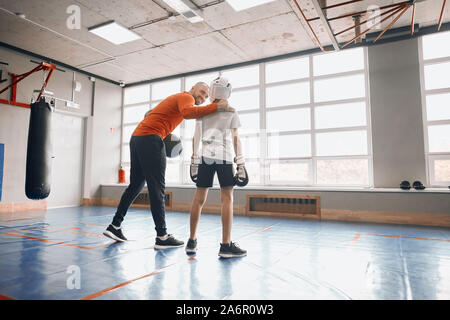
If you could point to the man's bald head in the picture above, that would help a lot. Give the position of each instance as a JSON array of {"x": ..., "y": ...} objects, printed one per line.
[
  {"x": 200, "y": 92},
  {"x": 200, "y": 83}
]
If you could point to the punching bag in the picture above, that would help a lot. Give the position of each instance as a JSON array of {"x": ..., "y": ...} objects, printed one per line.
[{"x": 39, "y": 151}]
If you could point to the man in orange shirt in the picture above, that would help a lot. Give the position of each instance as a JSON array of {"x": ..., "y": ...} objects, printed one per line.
[{"x": 148, "y": 158}]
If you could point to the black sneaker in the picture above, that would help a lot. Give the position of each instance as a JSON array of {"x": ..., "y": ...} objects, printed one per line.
[
  {"x": 191, "y": 246},
  {"x": 231, "y": 250},
  {"x": 115, "y": 234},
  {"x": 170, "y": 242}
]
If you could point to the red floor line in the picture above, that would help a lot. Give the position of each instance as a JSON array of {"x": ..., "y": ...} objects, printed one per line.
[
  {"x": 100, "y": 293},
  {"x": 255, "y": 232},
  {"x": 265, "y": 229},
  {"x": 120, "y": 285},
  {"x": 355, "y": 239},
  {"x": 405, "y": 237},
  {"x": 17, "y": 219},
  {"x": 56, "y": 242}
]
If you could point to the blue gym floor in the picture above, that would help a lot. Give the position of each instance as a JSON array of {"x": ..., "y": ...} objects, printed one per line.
[{"x": 41, "y": 252}]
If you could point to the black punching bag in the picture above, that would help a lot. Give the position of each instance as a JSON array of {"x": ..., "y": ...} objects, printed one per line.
[{"x": 39, "y": 152}]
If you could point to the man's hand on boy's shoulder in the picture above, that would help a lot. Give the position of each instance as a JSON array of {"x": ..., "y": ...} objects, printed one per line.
[{"x": 223, "y": 106}]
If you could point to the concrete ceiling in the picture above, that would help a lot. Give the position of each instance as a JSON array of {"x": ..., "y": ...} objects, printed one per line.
[{"x": 171, "y": 46}]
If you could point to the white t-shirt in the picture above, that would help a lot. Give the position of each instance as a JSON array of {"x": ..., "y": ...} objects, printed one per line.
[{"x": 216, "y": 135}]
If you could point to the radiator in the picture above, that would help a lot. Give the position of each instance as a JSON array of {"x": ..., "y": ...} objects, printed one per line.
[{"x": 284, "y": 205}]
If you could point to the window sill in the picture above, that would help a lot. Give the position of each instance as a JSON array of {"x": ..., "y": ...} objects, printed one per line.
[{"x": 310, "y": 189}]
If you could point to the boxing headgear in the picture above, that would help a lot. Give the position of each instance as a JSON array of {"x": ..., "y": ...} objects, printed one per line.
[{"x": 220, "y": 88}]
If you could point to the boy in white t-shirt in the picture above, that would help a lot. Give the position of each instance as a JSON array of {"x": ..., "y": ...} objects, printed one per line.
[{"x": 217, "y": 134}]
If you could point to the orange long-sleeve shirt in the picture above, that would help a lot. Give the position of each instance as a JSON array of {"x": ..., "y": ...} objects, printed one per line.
[{"x": 169, "y": 113}]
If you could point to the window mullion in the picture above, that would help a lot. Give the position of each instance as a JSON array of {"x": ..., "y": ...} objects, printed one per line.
[
  {"x": 313, "y": 172},
  {"x": 263, "y": 167}
]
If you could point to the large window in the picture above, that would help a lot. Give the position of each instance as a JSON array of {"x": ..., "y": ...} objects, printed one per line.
[
  {"x": 435, "y": 70},
  {"x": 136, "y": 102},
  {"x": 316, "y": 121},
  {"x": 305, "y": 120}
]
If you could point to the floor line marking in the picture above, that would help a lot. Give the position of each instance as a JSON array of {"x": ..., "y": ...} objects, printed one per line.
[
  {"x": 3, "y": 297},
  {"x": 358, "y": 235},
  {"x": 120, "y": 285},
  {"x": 355, "y": 239},
  {"x": 260, "y": 231},
  {"x": 255, "y": 232},
  {"x": 57, "y": 242},
  {"x": 13, "y": 220}
]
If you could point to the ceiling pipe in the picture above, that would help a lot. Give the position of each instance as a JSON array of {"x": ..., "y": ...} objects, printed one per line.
[
  {"x": 373, "y": 26},
  {"x": 365, "y": 21},
  {"x": 392, "y": 22},
  {"x": 442, "y": 14},
  {"x": 413, "y": 17},
  {"x": 309, "y": 26},
  {"x": 361, "y": 12}
]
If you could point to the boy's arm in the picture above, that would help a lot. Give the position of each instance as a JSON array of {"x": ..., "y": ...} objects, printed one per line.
[
  {"x": 196, "y": 156},
  {"x": 241, "y": 177},
  {"x": 239, "y": 159},
  {"x": 197, "y": 139}
]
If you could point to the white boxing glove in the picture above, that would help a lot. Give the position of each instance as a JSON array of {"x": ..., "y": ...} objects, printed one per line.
[
  {"x": 195, "y": 161},
  {"x": 239, "y": 160}
]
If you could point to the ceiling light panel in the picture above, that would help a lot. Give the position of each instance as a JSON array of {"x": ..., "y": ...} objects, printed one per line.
[
  {"x": 186, "y": 8},
  {"x": 239, "y": 5},
  {"x": 114, "y": 32}
]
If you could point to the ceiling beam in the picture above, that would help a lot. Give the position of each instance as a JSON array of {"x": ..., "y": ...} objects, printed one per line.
[
  {"x": 309, "y": 26},
  {"x": 325, "y": 24}
]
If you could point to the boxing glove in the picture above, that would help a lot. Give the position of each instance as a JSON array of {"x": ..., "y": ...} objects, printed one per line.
[
  {"x": 195, "y": 162},
  {"x": 241, "y": 177}
]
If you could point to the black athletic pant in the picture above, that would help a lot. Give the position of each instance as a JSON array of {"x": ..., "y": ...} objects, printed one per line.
[{"x": 148, "y": 164}]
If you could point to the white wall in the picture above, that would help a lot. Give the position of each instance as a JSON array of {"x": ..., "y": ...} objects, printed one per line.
[
  {"x": 14, "y": 135},
  {"x": 396, "y": 107},
  {"x": 67, "y": 165},
  {"x": 94, "y": 156},
  {"x": 103, "y": 139}
]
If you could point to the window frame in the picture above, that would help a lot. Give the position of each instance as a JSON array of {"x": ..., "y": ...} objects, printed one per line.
[
  {"x": 431, "y": 156},
  {"x": 263, "y": 134},
  {"x": 313, "y": 131},
  {"x": 123, "y": 125}
]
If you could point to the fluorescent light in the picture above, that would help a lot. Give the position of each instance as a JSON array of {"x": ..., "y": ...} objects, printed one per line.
[
  {"x": 185, "y": 8},
  {"x": 114, "y": 33},
  {"x": 239, "y": 5},
  {"x": 178, "y": 5},
  {"x": 194, "y": 19}
]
